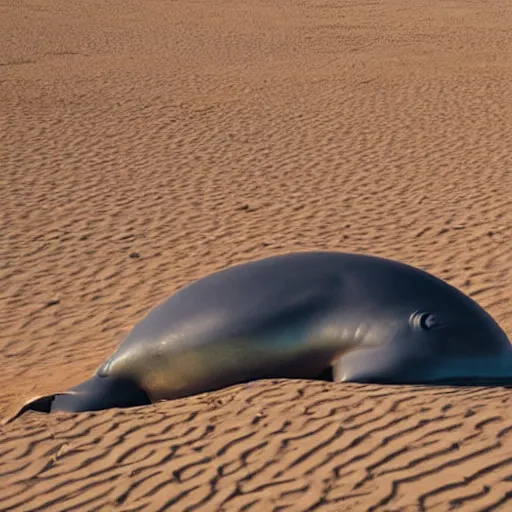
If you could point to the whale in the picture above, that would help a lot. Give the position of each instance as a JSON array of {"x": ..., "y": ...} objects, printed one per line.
[{"x": 345, "y": 317}]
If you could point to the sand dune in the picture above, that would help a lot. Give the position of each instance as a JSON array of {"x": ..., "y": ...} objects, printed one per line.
[
  {"x": 146, "y": 143},
  {"x": 271, "y": 445}
]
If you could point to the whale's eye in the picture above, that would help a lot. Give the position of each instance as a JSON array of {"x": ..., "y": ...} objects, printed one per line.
[{"x": 426, "y": 321}]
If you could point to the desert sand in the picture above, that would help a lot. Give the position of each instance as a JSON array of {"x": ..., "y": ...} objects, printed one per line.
[{"x": 144, "y": 144}]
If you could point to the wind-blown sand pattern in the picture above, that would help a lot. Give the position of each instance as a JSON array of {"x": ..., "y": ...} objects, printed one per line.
[
  {"x": 278, "y": 445},
  {"x": 146, "y": 143}
]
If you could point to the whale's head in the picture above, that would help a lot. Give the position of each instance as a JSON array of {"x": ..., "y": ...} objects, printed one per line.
[{"x": 418, "y": 329}]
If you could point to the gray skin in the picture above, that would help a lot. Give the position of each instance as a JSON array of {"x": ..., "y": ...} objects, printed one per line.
[{"x": 348, "y": 317}]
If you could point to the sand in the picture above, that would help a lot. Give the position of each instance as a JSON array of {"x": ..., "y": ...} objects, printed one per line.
[{"x": 146, "y": 143}]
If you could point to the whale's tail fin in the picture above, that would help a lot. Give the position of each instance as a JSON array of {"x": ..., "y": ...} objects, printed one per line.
[
  {"x": 94, "y": 394},
  {"x": 42, "y": 404}
]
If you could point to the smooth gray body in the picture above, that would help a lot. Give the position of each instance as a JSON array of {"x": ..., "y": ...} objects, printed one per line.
[{"x": 299, "y": 315}]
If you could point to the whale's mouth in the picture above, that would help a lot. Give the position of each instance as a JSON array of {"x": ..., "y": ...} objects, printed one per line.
[
  {"x": 470, "y": 381},
  {"x": 495, "y": 371},
  {"x": 476, "y": 371}
]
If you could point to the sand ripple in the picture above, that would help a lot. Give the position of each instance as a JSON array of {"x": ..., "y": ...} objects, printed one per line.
[{"x": 144, "y": 143}]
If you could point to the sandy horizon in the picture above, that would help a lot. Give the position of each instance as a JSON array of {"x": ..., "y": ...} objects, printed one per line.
[{"x": 145, "y": 144}]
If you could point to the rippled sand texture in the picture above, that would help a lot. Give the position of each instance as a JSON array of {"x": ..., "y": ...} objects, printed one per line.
[
  {"x": 146, "y": 143},
  {"x": 280, "y": 445}
]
